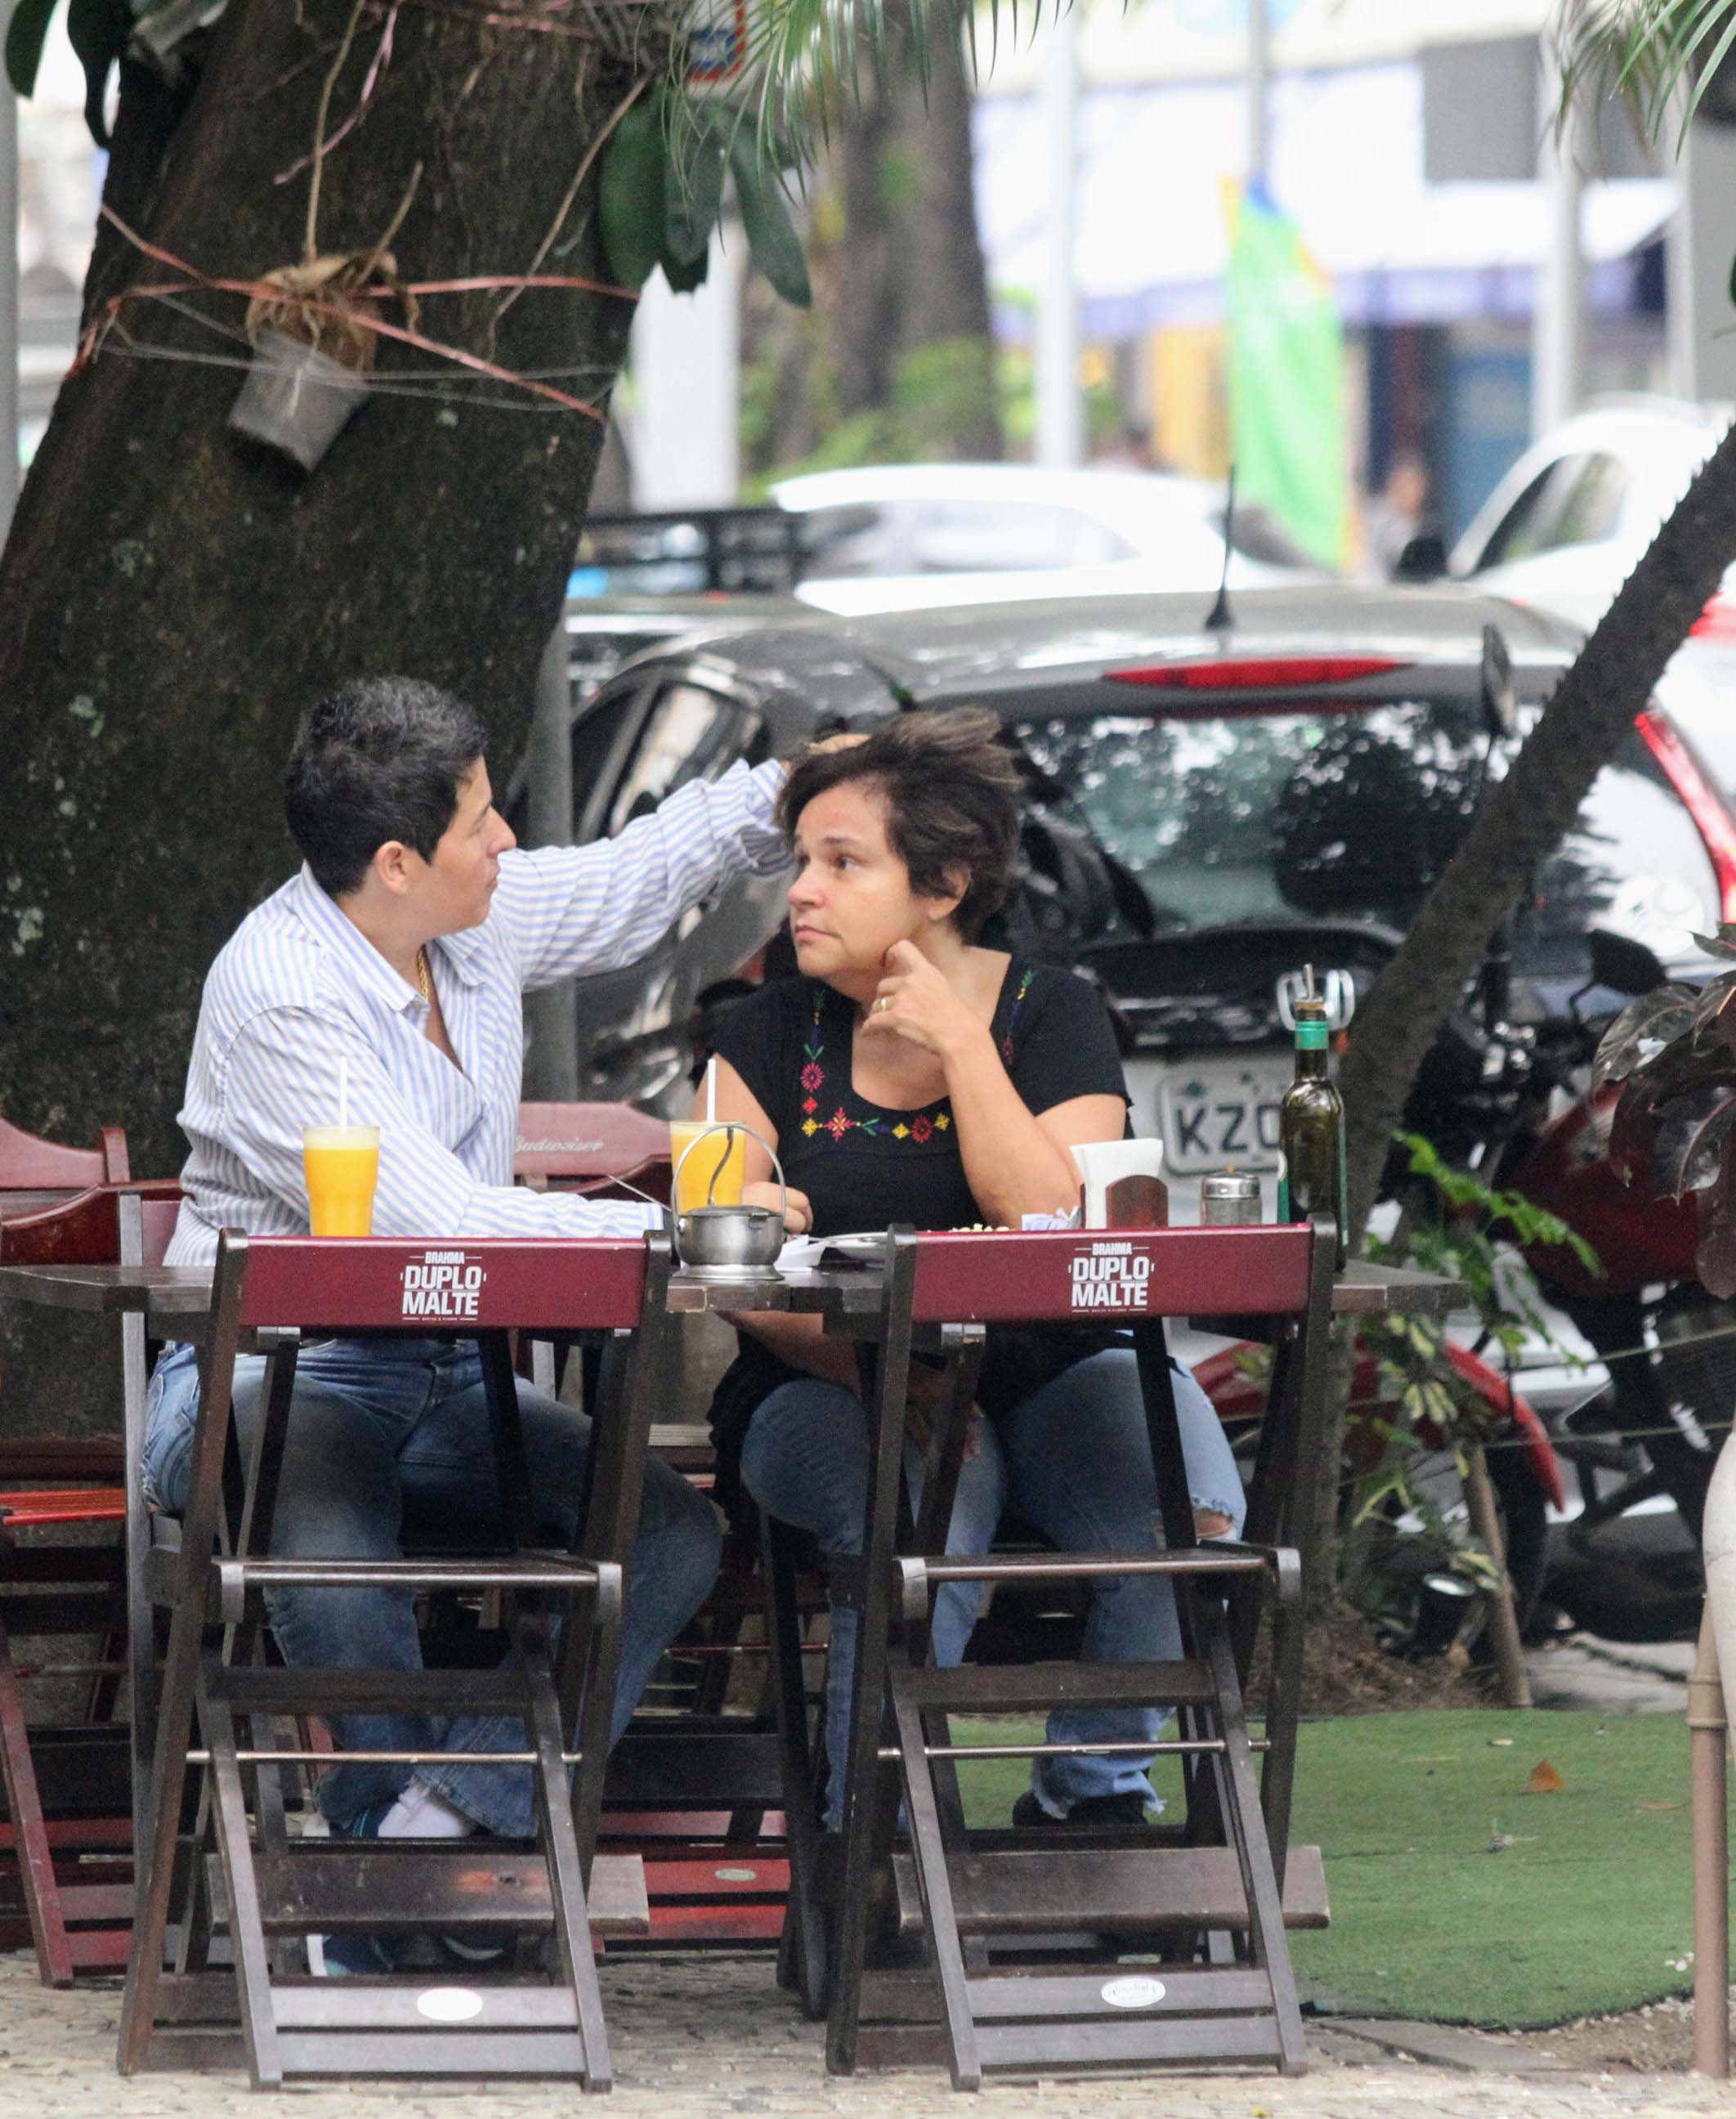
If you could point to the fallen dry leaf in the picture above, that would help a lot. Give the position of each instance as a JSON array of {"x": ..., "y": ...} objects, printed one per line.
[
  {"x": 1544, "y": 1780},
  {"x": 1661, "y": 1806}
]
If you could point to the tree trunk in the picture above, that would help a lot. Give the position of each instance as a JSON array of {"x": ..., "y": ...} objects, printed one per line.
[
  {"x": 1523, "y": 819},
  {"x": 900, "y": 341},
  {"x": 865, "y": 304},
  {"x": 171, "y": 597},
  {"x": 946, "y": 283},
  {"x": 946, "y": 378}
]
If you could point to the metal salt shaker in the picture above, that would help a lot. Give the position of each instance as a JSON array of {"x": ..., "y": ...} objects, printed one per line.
[{"x": 1229, "y": 1199}]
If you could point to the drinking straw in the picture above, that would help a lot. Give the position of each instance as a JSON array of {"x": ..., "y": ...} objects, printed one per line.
[
  {"x": 712, "y": 1090},
  {"x": 343, "y": 1089}
]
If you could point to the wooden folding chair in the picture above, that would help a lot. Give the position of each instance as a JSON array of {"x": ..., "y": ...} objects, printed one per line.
[
  {"x": 69, "y": 1819},
  {"x": 1219, "y": 1901},
  {"x": 241, "y": 1867},
  {"x": 34, "y": 1172},
  {"x": 694, "y": 1786},
  {"x": 35, "y": 1176},
  {"x": 603, "y": 1151},
  {"x": 598, "y": 1149}
]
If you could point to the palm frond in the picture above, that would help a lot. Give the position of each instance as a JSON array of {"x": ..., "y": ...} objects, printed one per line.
[
  {"x": 806, "y": 62},
  {"x": 1658, "y": 55}
]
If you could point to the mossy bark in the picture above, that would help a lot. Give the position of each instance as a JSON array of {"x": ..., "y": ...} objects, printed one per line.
[{"x": 170, "y": 597}]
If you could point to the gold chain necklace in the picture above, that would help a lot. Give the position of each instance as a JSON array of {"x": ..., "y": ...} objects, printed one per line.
[{"x": 424, "y": 976}]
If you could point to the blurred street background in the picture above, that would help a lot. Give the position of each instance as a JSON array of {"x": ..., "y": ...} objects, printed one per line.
[{"x": 1144, "y": 240}]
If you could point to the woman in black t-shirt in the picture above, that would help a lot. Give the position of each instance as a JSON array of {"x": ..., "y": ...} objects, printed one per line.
[{"x": 910, "y": 1075}]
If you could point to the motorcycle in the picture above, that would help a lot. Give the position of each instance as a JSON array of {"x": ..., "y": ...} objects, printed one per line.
[
  {"x": 1438, "y": 1602},
  {"x": 1601, "y": 1491},
  {"x": 1625, "y": 1563},
  {"x": 1600, "y": 1485}
]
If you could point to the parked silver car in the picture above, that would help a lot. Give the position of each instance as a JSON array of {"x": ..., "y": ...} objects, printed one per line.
[{"x": 1213, "y": 810}]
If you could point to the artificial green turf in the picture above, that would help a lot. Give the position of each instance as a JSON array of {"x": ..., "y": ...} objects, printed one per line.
[{"x": 1585, "y": 1906}]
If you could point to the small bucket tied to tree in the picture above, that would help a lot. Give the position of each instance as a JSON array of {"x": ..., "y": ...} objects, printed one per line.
[
  {"x": 1671, "y": 1055},
  {"x": 311, "y": 324},
  {"x": 312, "y": 351}
]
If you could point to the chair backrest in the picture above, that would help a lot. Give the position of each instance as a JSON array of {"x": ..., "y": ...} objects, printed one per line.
[
  {"x": 84, "y": 1230},
  {"x": 1107, "y": 1277},
  {"x": 387, "y": 1284},
  {"x": 30, "y": 1164},
  {"x": 587, "y": 1146},
  {"x": 160, "y": 1215}
]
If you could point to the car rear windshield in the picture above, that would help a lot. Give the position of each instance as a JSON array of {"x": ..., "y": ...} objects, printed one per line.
[
  {"x": 1336, "y": 813},
  {"x": 1352, "y": 812}
]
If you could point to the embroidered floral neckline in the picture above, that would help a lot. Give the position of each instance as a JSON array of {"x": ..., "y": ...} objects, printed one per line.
[{"x": 917, "y": 1127}]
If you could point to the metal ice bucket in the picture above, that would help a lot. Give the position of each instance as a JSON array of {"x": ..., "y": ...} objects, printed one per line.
[{"x": 724, "y": 1239}]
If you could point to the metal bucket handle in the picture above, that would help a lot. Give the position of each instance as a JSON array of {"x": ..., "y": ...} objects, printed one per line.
[{"x": 731, "y": 1126}]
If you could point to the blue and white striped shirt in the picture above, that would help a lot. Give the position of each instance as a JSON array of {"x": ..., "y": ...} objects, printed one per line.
[{"x": 298, "y": 989}]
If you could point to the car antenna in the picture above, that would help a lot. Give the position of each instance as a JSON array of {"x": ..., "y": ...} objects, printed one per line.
[{"x": 1218, "y": 619}]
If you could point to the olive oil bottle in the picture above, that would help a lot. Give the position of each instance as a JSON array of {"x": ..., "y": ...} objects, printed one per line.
[{"x": 1311, "y": 1129}]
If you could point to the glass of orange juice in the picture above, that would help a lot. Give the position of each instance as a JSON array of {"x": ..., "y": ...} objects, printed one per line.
[
  {"x": 342, "y": 1166},
  {"x": 725, "y": 1154}
]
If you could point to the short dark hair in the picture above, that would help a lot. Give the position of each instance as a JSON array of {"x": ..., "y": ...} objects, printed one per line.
[
  {"x": 951, "y": 790},
  {"x": 379, "y": 758}
]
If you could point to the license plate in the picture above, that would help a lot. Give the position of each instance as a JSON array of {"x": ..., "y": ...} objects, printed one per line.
[{"x": 1214, "y": 1117}]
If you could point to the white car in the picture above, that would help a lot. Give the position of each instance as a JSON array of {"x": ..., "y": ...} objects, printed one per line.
[
  {"x": 1564, "y": 526},
  {"x": 1561, "y": 532},
  {"x": 905, "y": 536}
]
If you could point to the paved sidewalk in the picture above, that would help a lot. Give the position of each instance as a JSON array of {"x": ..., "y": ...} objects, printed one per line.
[
  {"x": 709, "y": 2038},
  {"x": 1611, "y": 1677}
]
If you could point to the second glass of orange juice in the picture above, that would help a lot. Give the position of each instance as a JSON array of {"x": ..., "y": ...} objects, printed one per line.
[
  {"x": 342, "y": 1166},
  {"x": 725, "y": 1153}
]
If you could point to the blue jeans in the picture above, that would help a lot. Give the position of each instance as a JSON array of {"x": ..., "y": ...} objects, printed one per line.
[
  {"x": 392, "y": 1434},
  {"x": 1074, "y": 1459}
]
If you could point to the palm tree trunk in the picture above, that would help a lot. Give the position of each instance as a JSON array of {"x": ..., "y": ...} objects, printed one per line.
[
  {"x": 1523, "y": 819},
  {"x": 1530, "y": 810},
  {"x": 909, "y": 312}
]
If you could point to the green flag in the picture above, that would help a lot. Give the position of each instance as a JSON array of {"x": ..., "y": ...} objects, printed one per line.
[{"x": 1286, "y": 378}]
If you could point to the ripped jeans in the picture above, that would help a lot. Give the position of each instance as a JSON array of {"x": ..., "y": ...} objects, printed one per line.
[{"x": 1074, "y": 1460}]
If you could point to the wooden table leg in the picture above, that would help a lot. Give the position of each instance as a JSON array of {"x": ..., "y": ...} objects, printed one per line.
[{"x": 863, "y": 1780}]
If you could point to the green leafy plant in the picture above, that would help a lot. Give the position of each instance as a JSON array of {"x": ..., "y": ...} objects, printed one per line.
[
  {"x": 1454, "y": 1224},
  {"x": 1646, "y": 51},
  {"x": 661, "y": 193},
  {"x": 1463, "y": 1238}
]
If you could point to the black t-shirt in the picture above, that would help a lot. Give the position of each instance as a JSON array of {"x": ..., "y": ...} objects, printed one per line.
[{"x": 864, "y": 1166}]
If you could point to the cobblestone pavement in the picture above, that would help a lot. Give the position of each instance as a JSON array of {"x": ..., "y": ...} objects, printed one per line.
[{"x": 712, "y": 2038}]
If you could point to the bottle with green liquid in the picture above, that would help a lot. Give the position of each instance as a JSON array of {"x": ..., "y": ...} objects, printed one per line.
[{"x": 1311, "y": 1129}]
